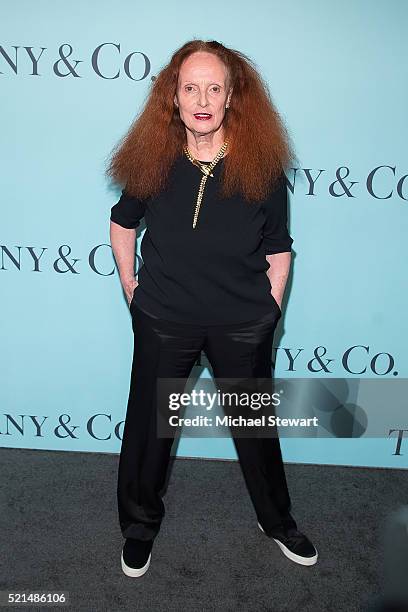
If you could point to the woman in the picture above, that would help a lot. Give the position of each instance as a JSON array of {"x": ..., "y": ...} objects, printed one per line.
[{"x": 204, "y": 164}]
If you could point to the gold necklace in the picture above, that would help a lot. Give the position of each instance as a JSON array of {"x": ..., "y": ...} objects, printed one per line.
[{"x": 206, "y": 169}]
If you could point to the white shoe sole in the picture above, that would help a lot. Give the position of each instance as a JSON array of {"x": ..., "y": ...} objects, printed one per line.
[
  {"x": 132, "y": 571},
  {"x": 292, "y": 556}
]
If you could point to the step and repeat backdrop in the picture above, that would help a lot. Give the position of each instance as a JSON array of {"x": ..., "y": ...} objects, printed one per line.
[{"x": 73, "y": 78}]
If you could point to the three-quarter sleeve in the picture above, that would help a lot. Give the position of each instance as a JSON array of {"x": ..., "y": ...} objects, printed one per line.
[
  {"x": 276, "y": 238},
  {"x": 128, "y": 211}
]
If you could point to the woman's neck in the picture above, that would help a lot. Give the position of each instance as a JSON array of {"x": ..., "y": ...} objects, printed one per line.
[{"x": 205, "y": 147}]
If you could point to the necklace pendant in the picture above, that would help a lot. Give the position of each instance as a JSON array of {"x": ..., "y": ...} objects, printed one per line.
[{"x": 206, "y": 170}]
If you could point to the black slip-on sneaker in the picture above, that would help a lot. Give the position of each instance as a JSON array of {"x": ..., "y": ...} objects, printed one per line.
[
  {"x": 136, "y": 556},
  {"x": 295, "y": 545}
]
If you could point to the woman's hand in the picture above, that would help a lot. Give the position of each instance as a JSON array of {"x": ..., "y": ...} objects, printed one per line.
[
  {"x": 129, "y": 287},
  {"x": 278, "y": 271}
]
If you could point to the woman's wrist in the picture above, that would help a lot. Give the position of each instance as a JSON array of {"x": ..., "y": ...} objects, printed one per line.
[{"x": 127, "y": 278}]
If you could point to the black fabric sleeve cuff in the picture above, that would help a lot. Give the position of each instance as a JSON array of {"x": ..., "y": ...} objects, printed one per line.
[
  {"x": 128, "y": 211},
  {"x": 276, "y": 238}
]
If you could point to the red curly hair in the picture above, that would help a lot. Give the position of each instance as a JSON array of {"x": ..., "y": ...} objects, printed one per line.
[{"x": 259, "y": 146}]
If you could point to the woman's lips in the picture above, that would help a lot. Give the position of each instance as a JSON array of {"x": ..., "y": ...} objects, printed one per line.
[{"x": 202, "y": 116}]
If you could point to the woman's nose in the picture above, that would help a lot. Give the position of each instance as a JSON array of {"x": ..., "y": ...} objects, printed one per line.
[{"x": 203, "y": 98}]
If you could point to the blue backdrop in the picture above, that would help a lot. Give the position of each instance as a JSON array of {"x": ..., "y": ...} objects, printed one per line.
[{"x": 72, "y": 78}]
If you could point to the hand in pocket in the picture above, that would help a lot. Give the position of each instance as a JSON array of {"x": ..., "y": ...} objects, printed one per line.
[{"x": 129, "y": 291}]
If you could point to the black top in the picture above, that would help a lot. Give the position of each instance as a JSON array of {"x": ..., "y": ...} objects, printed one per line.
[{"x": 216, "y": 272}]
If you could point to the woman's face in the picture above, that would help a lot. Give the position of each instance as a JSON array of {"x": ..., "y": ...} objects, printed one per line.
[{"x": 202, "y": 92}]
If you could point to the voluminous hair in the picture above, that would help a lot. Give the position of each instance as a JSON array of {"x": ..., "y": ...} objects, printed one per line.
[{"x": 259, "y": 147}]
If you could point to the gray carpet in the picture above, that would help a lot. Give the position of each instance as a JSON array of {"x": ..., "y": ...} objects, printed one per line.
[{"x": 59, "y": 531}]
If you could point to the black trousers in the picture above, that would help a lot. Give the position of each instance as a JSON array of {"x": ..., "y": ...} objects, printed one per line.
[{"x": 169, "y": 350}]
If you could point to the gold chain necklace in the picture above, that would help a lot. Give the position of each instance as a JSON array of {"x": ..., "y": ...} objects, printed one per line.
[{"x": 206, "y": 169}]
